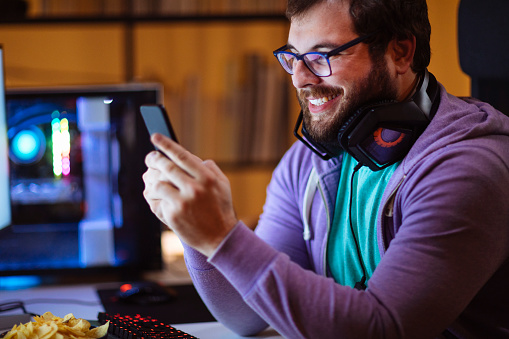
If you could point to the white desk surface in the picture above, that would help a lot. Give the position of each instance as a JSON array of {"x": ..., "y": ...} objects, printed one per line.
[{"x": 83, "y": 302}]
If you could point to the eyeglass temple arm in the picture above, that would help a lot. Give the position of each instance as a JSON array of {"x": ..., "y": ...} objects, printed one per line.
[
  {"x": 282, "y": 48},
  {"x": 350, "y": 44}
]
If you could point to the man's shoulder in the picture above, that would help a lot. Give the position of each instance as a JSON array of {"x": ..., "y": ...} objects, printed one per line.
[
  {"x": 296, "y": 159},
  {"x": 458, "y": 115},
  {"x": 459, "y": 121},
  {"x": 462, "y": 105}
]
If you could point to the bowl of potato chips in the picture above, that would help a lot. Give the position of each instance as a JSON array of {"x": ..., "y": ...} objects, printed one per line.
[{"x": 49, "y": 326}]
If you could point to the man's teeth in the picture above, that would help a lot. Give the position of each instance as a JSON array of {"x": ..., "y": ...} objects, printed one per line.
[{"x": 321, "y": 101}]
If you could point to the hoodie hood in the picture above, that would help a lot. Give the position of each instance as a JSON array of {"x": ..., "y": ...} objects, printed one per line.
[{"x": 456, "y": 122}]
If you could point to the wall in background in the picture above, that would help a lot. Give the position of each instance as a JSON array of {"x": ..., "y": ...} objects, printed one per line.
[{"x": 443, "y": 16}]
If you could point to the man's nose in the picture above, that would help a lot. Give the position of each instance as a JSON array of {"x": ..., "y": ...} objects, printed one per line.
[{"x": 302, "y": 75}]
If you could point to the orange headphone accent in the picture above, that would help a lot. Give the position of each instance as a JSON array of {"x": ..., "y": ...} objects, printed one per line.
[{"x": 381, "y": 142}]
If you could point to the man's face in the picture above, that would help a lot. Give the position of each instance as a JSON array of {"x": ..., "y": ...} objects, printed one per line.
[{"x": 327, "y": 102}]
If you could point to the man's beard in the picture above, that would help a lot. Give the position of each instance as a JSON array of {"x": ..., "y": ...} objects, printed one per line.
[{"x": 377, "y": 86}]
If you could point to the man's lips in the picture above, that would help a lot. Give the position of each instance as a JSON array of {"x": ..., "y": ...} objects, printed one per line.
[{"x": 318, "y": 105}]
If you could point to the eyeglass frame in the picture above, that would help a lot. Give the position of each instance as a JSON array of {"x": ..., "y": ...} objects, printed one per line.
[{"x": 335, "y": 51}]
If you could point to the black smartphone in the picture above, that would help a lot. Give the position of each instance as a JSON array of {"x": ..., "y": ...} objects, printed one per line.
[{"x": 157, "y": 121}]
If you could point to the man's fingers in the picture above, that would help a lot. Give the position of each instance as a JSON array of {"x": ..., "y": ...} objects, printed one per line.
[
  {"x": 187, "y": 161},
  {"x": 210, "y": 164}
]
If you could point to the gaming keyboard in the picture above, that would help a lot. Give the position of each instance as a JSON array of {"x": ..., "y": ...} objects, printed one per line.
[{"x": 139, "y": 327}]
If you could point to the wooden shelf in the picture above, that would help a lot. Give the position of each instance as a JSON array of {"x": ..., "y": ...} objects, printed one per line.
[{"x": 178, "y": 19}]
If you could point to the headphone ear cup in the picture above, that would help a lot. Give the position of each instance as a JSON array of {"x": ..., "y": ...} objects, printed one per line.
[
  {"x": 381, "y": 134},
  {"x": 354, "y": 120}
]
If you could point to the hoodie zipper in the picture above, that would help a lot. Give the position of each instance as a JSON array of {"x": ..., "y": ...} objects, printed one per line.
[
  {"x": 388, "y": 211},
  {"x": 311, "y": 187},
  {"x": 328, "y": 228}
]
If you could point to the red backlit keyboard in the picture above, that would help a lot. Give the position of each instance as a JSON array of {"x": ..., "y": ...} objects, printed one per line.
[{"x": 139, "y": 327}]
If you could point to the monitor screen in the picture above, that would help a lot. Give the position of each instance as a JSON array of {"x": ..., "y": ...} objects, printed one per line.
[
  {"x": 73, "y": 169},
  {"x": 5, "y": 204}
]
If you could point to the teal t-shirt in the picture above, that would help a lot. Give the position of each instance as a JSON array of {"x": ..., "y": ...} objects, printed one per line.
[{"x": 367, "y": 189}]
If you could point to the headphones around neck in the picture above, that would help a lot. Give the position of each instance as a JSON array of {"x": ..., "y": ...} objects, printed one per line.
[{"x": 381, "y": 134}]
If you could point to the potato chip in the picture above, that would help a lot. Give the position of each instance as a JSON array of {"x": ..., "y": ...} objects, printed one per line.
[
  {"x": 99, "y": 332},
  {"x": 46, "y": 331},
  {"x": 49, "y": 326}
]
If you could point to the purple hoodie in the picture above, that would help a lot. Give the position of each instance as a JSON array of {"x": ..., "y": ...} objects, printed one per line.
[{"x": 443, "y": 235}]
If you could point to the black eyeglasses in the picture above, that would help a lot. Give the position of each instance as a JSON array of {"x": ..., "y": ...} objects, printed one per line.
[{"x": 317, "y": 62}]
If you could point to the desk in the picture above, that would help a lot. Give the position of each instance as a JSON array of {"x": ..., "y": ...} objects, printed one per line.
[
  {"x": 83, "y": 302},
  {"x": 214, "y": 330}
]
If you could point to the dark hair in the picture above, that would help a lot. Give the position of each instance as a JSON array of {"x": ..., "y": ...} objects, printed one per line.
[{"x": 390, "y": 19}]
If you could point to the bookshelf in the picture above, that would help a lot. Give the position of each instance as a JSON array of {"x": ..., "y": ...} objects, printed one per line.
[
  {"x": 86, "y": 9},
  {"x": 216, "y": 67}
]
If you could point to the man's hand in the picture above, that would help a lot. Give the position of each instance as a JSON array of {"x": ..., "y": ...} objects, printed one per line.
[{"x": 191, "y": 196}]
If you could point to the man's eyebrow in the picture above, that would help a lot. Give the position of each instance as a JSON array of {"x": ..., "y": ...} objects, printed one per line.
[{"x": 326, "y": 45}]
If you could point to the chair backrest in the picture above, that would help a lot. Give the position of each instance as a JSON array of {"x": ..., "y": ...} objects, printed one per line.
[{"x": 483, "y": 41}]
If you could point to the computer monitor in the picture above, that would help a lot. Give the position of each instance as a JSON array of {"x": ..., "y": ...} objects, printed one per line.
[{"x": 75, "y": 161}]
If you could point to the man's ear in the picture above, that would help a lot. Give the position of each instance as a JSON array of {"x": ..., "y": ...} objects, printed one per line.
[{"x": 402, "y": 53}]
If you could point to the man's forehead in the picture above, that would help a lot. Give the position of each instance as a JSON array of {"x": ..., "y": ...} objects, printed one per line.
[
  {"x": 323, "y": 25},
  {"x": 299, "y": 11}
]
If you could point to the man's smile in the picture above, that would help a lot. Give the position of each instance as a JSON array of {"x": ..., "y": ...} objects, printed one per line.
[
  {"x": 321, "y": 101},
  {"x": 318, "y": 105}
]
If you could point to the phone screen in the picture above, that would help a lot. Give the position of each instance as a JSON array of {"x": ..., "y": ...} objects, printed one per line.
[{"x": 157, "y": 121}]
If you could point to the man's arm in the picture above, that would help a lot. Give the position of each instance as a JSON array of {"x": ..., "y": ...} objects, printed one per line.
[
  {"x": 222, "y": 299},
  {"x": 281, "y": 227}
]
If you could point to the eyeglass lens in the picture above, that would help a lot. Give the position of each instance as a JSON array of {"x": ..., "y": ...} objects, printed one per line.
[{"x": 317, "y": 63}]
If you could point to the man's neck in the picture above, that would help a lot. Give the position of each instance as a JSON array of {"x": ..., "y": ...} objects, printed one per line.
[{"x": 411, "y": 87}]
